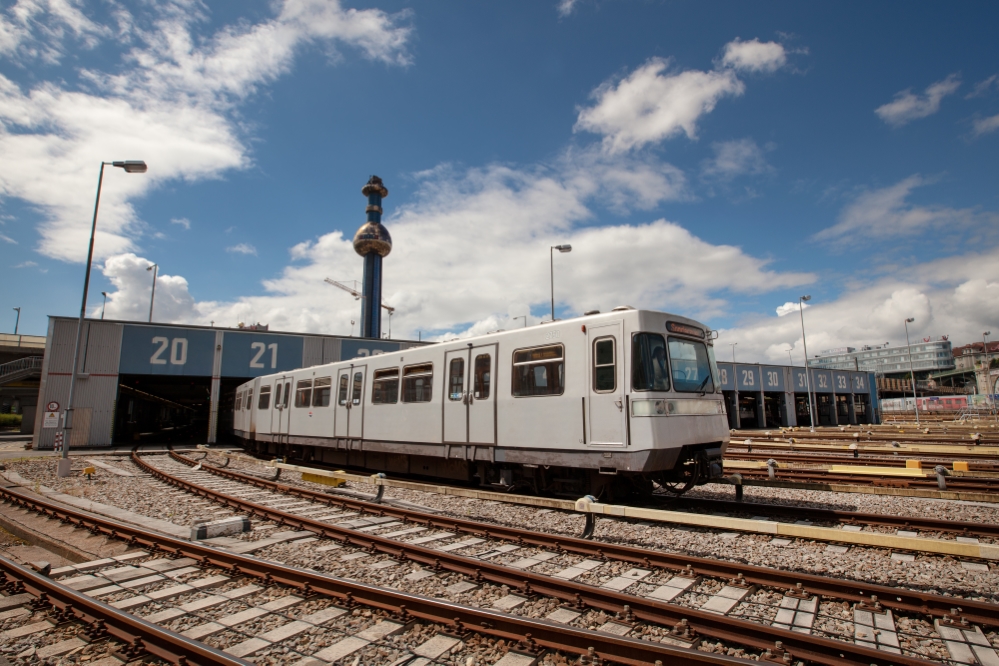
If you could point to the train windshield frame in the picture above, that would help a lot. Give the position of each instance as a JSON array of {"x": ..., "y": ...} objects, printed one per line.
[{"x": 690, "y": 365}]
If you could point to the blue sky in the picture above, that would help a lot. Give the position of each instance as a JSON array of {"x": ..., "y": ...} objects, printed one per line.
[{"x": 714, "y": 160}]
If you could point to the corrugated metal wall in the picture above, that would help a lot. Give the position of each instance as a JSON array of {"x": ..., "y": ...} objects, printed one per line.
[
  {"x": 331, "y": 350},
  {"x": 312, "y": 352},
  {"x": 96, "y": 386}
]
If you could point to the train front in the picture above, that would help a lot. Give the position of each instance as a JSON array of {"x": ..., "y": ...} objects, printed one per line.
[{"x": 677, "y": 409}]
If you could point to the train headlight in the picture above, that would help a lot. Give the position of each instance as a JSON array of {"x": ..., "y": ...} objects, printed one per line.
[{"x": 660, "y": 408}]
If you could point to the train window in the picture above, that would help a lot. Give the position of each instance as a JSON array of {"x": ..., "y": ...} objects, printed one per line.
[
  {"x": 417, "y": 382},
  {"x": 355, "y": 397},
  {"x": 287, "y": 393},
  {"x": 385, "y": 388},
  {"x": 342, "y": 398},
  {"x": 264, "y": 401},
  {"x": 456, "y": 379},
  {"x": 248, "y": 402},
  {"x": 277, "y": 396},
  {"x": 604, "y": 366},
  {"x": 303, "y": 393},
  {"x": 648, "y": 362},
  {"x": 691, "y": 367},
  {"x": 239, "y": 402},
  {"x": 321, "y": 392},
  {"x": 483, "y": 367},
  {"x": 539, "y": 371}
]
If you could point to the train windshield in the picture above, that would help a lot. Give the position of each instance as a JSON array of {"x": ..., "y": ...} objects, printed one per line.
[
  {"x": 691, "y": 366},
  {"x": 649, "y": 370}
]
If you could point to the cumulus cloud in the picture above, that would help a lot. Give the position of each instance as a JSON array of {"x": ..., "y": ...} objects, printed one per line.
[
  {"x": 908, "y": 106},
  {"x": 754, "y": 55},
  {"x": 656, "y": 102},
  {"x": 242, "y": 248},
  {"x": 986, "y": 125},
  {"x": 469, "y": 254},
  {"x": 133, "y": 290},
  {"x": 791, "y": 306},
  {"x": 181, "y": 221},
  {"x": 173, "y": 104},
  {"x": 958, "y": 297},
  {"x": 735, "y": 158},
  {"x": 886, "y": 213}
]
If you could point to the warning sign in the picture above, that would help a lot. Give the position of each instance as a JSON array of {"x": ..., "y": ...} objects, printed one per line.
[
  {"x": 51, "y": 420},
  {"x": 52, "y": 406}
]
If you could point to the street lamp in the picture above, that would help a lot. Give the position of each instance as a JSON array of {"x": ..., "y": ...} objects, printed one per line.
[
  {"x": 130, "y": 166},
  {"x": 912, "y": 374},
  {"x": 154, "y": 268},
  {"x": 985, "y": 368},
  {"x": 18, "y": 320},
  {"x": 351, "y": 328},
  {"x": 105, "y": 306},
  {"x": 788, "y": 350},
  {"x": 732, "y": 345},
  {"x": 808, "y": 376},
  {"x": 524, "y": 317},
  {"x": 551, "y": 260}
]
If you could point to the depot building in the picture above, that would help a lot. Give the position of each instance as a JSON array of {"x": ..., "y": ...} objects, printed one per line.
[{"x": 140, "y": 382}]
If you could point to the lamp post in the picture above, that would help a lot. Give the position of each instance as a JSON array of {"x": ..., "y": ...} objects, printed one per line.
[
  {"x": 130, "y": 166},
  {"x": 17, "y": 321},
  {"x": 985, "y": 367},
  {"x": 551, "y": 260},
  {"x": 524, "y": 317},
  {"x": 154, "y": 268},
  {"x": 732, "y": 345},
  {"x": 789, "y": 350},
  {"x": 105, "y": 306},
  {"x": 351, "y": 328},
  {"x": 808, "y": 376},
  {"x": 912, "y": 374}
]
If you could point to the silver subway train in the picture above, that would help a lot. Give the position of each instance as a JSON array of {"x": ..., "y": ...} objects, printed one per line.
[{"x": 607, "y": 404}]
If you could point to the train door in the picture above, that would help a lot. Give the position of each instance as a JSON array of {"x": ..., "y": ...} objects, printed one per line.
[
  {"x": 456, "y": 400},
  {"x": 606, "y": 424},
  {"x": 481, "y": 401},
  {"x": 355, "y": 419},
  {"x": 280, "y": 415},
  {"x": 342, "y": 413}
]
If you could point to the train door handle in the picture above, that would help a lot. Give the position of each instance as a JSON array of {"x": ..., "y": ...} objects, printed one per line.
[{"x": 620, "y": 405}]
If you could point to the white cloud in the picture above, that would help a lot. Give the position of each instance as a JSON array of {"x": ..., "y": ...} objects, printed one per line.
[
  {"x": 134, "y": 284},
  {"x": 791, "y": 306},
  {"x": 983, "y": 87},
  {"x": 40, "y": 29},
  {"x": 566, "y": 7},
  {"x": 885, "y": 213},
  {"x": 652, "y": 104},
  {"x": 7, "y": 239},
  {"x": 754, "y": 55},
  {"x": 958, "y": 297},
  {"x": 487, "y": 230},
  {"x": 906, "y": 106},
  {"x": 172, "y": 105},
  {"x": 26, "y": 264},
  {"x": 986, "y": 125},
  {"x": 182, "y": 221},
  {"x": 735, "y": 158},
  {"x": 242, "y": 248}
]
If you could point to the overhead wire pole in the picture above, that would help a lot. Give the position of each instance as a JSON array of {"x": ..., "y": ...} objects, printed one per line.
[
  {"x": 808, "y": 376},
  {"x": 912, "y": 373}
]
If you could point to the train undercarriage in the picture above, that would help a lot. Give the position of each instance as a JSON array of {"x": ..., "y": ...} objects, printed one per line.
[{"x": 698, "y": 464}]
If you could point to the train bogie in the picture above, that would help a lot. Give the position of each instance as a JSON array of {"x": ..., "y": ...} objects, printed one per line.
[{"x": 623, "y": 399}]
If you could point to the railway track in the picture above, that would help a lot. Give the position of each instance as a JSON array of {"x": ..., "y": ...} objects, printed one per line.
[
  {"x": 929, "y": 481},
  {"x": 301, "y": 600},
  {"x": 845, "y": 458},
  {"x": 710, "y": 625}
]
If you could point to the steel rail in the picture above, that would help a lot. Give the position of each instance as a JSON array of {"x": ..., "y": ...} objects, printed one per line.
[
  {"x": 846, "y": 458},
  {"x": 137, "y": 635},
  {"x": 529, "y": 633},
  {"x": 731, "y": 630},
  {"x": 832, "y": 515},
  {"x": 959, "y": 483},
  {"x": 897, "y": 599}
]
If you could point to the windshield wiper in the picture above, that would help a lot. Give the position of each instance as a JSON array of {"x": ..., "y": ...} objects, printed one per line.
[{"x": 701, "y": 387}]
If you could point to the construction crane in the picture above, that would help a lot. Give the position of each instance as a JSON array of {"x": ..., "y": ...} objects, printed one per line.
[{"x": 355, "y": 293}]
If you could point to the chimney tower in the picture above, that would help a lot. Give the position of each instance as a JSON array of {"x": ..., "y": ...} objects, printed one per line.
[{"x": 373, "y": 242}]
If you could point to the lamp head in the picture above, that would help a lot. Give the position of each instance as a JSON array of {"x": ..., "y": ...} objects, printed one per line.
[
  {"x": 987, "y": 333},
  {"x": 806, "y": 298},
  {"x": 149, "y": 268},
  {"x": 104, "y": 294},
  {"x": 131, "y": 166},
  {"x": 910, "y": 320},
  {"x": 564, "y": 248}
]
